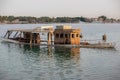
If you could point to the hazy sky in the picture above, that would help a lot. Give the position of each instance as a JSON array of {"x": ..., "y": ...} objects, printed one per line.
[{"x": 53, "y": 8}]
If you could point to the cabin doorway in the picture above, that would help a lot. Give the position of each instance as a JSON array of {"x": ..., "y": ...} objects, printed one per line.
[{"x": 67, "y": 41}]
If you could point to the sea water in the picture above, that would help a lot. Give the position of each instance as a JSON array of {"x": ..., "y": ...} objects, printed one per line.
[{"x": 21, "y": 62}]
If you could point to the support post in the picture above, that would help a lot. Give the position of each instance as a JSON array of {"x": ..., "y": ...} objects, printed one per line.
[
  {"x": 49, "y": 38},
  {"x": 9, "y": 33},
  {"x": 30, "y": 39},
  {"x": 38, "y": 38},
  {"x": 34, "y": 38}
]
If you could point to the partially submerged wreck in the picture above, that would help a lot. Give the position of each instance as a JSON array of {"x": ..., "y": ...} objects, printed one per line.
[
  {"x": 61, "y": 36},
  {"x": 28, "y": 36}
]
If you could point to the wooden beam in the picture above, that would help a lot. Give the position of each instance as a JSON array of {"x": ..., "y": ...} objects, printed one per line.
[
  {"x": 9, "y": 33},
  {"x": 49, "y": 38},
  {"x": 15, "y": 34},
  {"x": 30, "y": 39},
  {"x": 34, "y": 38},
  {"x": 6, "y": 34}
]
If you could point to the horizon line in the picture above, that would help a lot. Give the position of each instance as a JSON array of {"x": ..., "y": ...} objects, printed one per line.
[{"x": 57, "y": 16}]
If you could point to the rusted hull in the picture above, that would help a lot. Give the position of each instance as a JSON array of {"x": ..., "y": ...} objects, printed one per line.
[{"x": 105, "y": 45}]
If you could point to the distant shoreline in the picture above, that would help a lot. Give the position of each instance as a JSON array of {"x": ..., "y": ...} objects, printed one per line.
[
  {"x": 48, "y": 20},
  {"x": 58, "y": 23}
]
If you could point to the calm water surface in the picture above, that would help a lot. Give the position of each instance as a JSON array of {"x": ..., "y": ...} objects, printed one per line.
[{"x": 20, "y": 62}]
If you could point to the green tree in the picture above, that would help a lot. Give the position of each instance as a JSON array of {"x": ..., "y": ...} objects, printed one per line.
[
  {"x": 3, "y": 18},
  {"x": 45, "y": 19},
  {"x": 11, "y": 18},
  {"x": 0, "y": 18},
  {"x": 103, "y": 17}
]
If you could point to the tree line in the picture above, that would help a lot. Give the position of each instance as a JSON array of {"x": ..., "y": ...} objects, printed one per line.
[{"x": 45, "y": 19}]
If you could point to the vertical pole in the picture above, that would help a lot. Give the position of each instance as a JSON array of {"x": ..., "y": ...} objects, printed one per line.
[
  {"x": 38, "y": 38},
  {"x": 34, "y": 38},
  {"x": 8, "y": 34},
  {"x": 30, "y": 39},
  {"x": 20, "y": 36},
  {"x": 49, "y": 38}
]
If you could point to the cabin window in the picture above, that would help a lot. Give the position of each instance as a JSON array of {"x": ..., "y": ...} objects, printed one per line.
[
  {"x": 61, "y": 35},
  {"x": 73, "y": 36},
  {"x": 66, "y": 35},
  {"x": 57, "y": 35},
  {"x": 77, "y": 35}
]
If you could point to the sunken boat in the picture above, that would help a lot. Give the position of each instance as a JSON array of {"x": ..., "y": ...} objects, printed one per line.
[{"x": 62, "y": 35}]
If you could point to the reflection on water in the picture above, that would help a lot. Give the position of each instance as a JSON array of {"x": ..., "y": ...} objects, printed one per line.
[
  {"x": 64, "y": 53},
  {"x": 67, "y": 53},
  {"x": 59, "y": 54},
  {"x": 34, "y": 49},
  {"x": 40, "y": 63}
]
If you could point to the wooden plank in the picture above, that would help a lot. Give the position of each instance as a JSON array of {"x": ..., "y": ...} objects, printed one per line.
[{"x": 6, "y": 34}]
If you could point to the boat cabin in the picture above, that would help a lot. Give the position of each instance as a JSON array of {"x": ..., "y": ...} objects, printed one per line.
[
  {"x": 62, "y": 35},
  {"x": 66, "y": 35}
]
